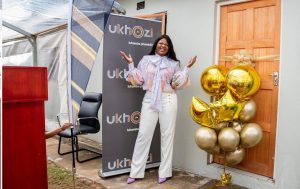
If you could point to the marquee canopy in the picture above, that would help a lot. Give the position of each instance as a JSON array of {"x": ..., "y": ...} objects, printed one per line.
[{"x": 28, "y": 18}]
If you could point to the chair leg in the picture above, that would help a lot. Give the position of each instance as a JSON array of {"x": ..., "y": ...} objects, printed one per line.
[
  {"x": 99, "y": 155},
  {"x": 84, "y": 149},
  {"x": 77, "y": 149},
  {"x": 59, "y": 147}
]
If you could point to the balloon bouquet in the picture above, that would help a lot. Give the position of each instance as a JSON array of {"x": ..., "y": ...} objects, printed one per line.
[{"x": 225, "y": 122}]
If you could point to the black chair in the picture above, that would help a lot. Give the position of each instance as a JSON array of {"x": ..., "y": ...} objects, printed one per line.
[{"x": 87, "y": 122}]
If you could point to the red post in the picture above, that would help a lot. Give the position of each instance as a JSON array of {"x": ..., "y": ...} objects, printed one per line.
[{"x": 24, "y": 148}]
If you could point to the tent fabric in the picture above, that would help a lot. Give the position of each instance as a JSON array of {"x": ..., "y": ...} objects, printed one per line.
[
  {"x": 18, "y": 53},
  {"x": 51, "y": 54},
  {"x": 36, "y": 16},
  {"x": 33, "y": 16},
  {"x": 10, "y": 34}
]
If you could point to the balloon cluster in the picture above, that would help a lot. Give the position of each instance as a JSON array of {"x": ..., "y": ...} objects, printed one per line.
[{"x": 225, "y": 122}]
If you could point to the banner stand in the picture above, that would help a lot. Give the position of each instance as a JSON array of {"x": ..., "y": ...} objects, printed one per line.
[
  {"x": 122, "y": 101},
  {"x": 122, "y": 171}
]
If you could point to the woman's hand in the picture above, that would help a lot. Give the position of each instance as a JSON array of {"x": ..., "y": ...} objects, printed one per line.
[
  {"x": 191, "y": 62},
  {"x": 66, "y": 126},
  {"x": 126, "y": 57},
  {"x": 174, "y": 85}
]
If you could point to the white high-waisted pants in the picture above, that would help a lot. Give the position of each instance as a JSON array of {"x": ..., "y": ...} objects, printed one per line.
[{"x": 149, "y": 117}]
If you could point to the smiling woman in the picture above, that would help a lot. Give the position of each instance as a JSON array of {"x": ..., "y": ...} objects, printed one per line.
[
  {"x": 160, "y": 75},
  {"x": 162, "y": 47}
]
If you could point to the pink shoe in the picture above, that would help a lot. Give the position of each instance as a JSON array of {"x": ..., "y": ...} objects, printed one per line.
[
  {"x": 162, "y": 180},
  {"x": 130, "y": 180}
]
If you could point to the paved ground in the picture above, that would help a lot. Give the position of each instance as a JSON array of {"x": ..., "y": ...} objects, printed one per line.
[{"x": 90, "y": 169}]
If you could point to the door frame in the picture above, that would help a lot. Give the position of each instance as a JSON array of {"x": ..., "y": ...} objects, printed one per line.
[
  {"x": 163, "y": 16},
  {"x": 216, "y": 46}
]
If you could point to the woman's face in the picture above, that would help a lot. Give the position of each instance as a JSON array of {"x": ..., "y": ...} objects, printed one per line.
[{"x": 162, "y": 47}]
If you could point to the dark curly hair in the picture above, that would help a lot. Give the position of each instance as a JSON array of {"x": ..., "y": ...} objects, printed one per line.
[{"x": 171, "y": 53}]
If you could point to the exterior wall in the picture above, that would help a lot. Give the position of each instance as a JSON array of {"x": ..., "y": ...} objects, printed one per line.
[{"x": 191, "y": 25}]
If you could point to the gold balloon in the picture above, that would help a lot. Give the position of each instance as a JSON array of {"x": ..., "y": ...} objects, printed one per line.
[
  {"x": 201, "y": 113},
  {"x": 243, "y": 81},
  {"x": 248, "y": 111},
  {"x": 228, "y": 139},
  {"x": 225, "y": 179},
  {"x": 213, "y": 80},
  {"x": 221, "y": 125},
  {"x": 235, "y": 157},
  {"x": 237, "y": 126},
  {"x": 206, "y": 138},
  {"x": 227, "y": 108},
  {"x": 215, "y": 150},
  {"x": 251, "y": 135}
]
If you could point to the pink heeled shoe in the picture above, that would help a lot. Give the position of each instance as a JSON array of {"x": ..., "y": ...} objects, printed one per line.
[
  {"x": 162, "y": 180},
  {"x": 130, "y": 180}
]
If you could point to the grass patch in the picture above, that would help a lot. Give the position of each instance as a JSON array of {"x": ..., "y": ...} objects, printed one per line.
[
  {"x": 63, "y": 179},
  {"x": 57, "y": 175}
]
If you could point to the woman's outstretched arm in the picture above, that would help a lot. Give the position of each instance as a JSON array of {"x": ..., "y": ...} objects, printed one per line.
[{"x": 180, "y": 78}]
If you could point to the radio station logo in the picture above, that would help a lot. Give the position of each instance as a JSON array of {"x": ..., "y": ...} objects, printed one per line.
[
  {"x": 116, "y": 73},
  {"x": 135, "y": 31},
  {"x": 124, "y": 118},
  {"x": 125, "y": 163},
  {"x": 120, "y": 74}
]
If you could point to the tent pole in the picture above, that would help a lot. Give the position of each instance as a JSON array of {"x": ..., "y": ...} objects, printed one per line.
[
  {"x": 34, "y": 51},
  {"x": 31, "y": 38},
  {"x": 15, "y": 28}
]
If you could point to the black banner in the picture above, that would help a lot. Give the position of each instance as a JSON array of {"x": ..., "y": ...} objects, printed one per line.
[{"x": 122, "y": 101}]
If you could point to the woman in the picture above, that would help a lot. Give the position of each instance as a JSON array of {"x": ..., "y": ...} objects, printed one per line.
[{"x": 160, "y": 75}]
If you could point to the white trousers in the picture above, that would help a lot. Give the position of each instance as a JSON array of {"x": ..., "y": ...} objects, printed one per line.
[{"x": 167, "y": 121}]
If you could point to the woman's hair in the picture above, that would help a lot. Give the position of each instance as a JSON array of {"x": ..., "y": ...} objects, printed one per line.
[{"x": 171, "y": 53}]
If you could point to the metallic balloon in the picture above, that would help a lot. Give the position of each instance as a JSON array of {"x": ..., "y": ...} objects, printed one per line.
[
  {"x": 248, "y": 111},
  {"x": 251, "y": 135},
  {"x": 215, "y": 150},
  {"x": 227, "y": 107},
  {"x": 243, "y": 81},
  {"x": 225, "y": 180},
  {"x": 237, "y": 126},
  {"x": 201, "y": 113},
  {"x": 221, "y": 125},
  {"x": 213, "y": 80},
  {"x": 228, "y": 139},
  {"x": 206, "y": 138},
  {"x": 235, "y": 157}
]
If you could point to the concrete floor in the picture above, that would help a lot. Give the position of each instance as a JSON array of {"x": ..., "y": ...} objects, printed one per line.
[{"x": 90, "y": 169}]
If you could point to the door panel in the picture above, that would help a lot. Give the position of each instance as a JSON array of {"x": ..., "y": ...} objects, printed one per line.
[{"x": 255, "y": 26}]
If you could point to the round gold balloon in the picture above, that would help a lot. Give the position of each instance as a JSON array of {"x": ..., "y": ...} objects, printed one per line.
[
  {"x": 221, "y": 125},
  {"x": 206, "y": 138},
  {"x": 251, "y": 135},
  {"x": 248, "y": 111},
  {"x": 201, "y": 113},
  {"x": 215, "y": 150},
  {"x": 213, "y": 80},
  {"x": 237, "y": 126},
  {"x": 227, "y": 108},
  {"x": 235, "y": 157},
  {"x": 228, "y": 139},
  {"x": 243, "y": 81}
]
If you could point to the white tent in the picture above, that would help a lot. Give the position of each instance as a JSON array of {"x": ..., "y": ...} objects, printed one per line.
[{"x": 34, "y": 34}]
